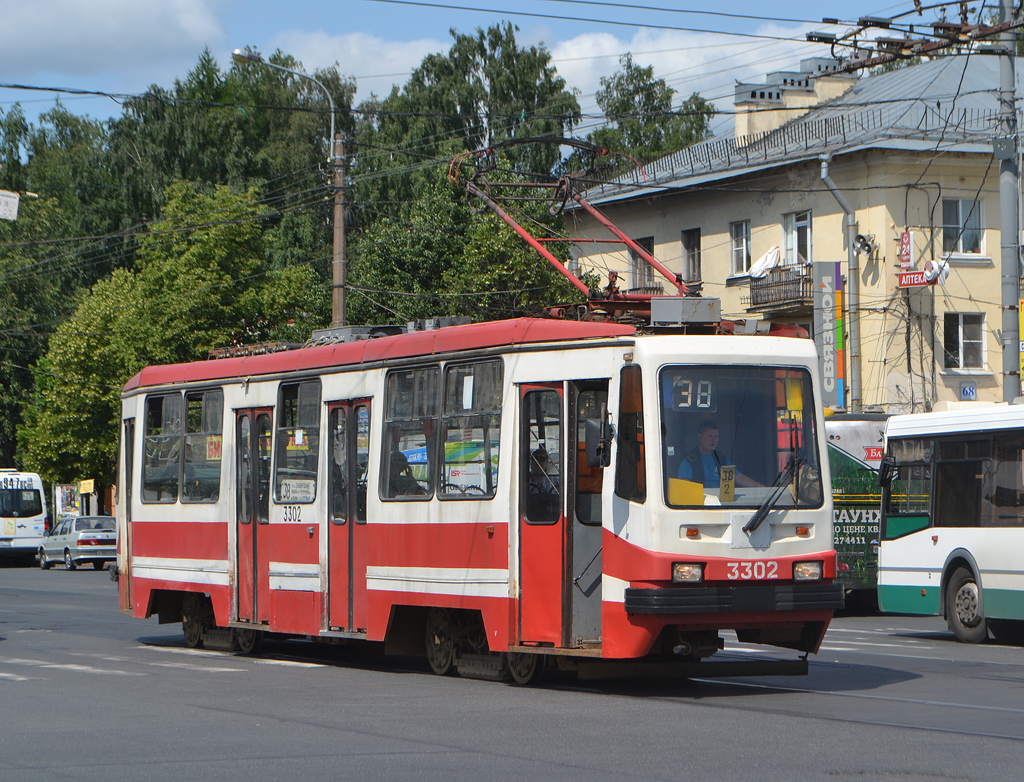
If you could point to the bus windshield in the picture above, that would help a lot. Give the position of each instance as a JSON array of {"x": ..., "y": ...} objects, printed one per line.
[{"x": 739, "y": 436}]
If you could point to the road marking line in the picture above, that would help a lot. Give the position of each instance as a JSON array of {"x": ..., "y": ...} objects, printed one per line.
[
  {"x": 195, "y": 667},
  {"x": 13, "y": 677},
  {"x": 69, "y": 667},
  {"x": 291, "y": 663},
  {"x": 192, "y": 652}
]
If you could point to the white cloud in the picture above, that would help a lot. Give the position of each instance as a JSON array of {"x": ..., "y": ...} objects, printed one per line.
[
  {"x": 376, "y": 63},
  {"x": 689, "y": 62},
  {"x": 82, "y": 39}
]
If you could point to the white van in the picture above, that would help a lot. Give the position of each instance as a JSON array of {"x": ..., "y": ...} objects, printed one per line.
[{"x": 23, "y": 515}]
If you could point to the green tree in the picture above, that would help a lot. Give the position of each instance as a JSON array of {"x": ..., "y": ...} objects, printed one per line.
[
  {"x": 201, "y": 277},
  {"x": 412, "y": 227},
  {"x": 642, "y": 121}
]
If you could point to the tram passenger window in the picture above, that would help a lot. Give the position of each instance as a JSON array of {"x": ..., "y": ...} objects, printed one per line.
[
  {"x": 630, "y": 473},
  {"x": 590, "y": 402},
  {"x": 541, "y": 456},
  {"x": 162, "y": 448},
  {"x": 339, "y": 465},
  {"x": 410, "y": 438},
  {"x": 298, "y": 441},
  {"x": 471, "y": 430},
  {"x": 204, "y": 416}
]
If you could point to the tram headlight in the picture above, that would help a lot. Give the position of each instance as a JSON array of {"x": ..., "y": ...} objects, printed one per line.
[
  {"x": 687, "y": 572},
  {"x": 807, "y": 571}
]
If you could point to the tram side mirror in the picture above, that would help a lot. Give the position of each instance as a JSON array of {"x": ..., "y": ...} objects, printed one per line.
[
  {"x": 886, "y": 471},
  {"x": 598, "y": 434}
]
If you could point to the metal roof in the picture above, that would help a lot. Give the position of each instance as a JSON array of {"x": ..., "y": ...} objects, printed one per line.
[{"x": 949, "y": 103}]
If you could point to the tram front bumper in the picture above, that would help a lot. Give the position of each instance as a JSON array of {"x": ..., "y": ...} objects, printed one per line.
[{"x": 735, "y": 599}]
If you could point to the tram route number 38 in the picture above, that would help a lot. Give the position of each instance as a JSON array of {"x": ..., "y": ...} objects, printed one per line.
[{"x": 747, "y": 571}]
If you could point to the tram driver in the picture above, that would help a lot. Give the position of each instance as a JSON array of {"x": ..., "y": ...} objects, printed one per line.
[{"x": 704, "y": 462}]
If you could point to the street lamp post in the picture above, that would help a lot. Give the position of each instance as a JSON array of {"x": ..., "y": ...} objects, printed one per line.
[{"x": 337, "y": 161}]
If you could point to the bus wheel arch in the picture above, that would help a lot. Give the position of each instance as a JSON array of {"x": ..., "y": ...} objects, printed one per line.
[{"x": 964, "y": 608}]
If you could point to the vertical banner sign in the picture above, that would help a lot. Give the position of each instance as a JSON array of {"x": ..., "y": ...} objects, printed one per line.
[
  {"x": 828, "y": 330},
  {"x": 907, "y": 250}
]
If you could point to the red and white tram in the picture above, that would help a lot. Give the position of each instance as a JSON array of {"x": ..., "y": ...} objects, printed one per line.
[{"x": 497, "y": 496}]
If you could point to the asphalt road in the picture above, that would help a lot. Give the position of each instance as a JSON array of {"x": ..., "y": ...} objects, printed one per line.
[{"x": 87, "y": 693}]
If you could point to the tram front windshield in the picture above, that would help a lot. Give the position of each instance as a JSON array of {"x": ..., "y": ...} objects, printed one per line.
[{"x": 739, "y": 436}]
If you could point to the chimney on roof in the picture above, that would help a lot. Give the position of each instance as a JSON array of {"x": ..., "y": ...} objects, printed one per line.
[{"x": 786, "y": 95}]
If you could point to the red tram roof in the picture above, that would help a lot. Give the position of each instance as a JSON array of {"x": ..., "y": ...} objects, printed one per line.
[{"x": 449, "y": 339}]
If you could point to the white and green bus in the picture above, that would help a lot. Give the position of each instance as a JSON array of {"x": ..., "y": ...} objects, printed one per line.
[{"x": 952, "y": 532}]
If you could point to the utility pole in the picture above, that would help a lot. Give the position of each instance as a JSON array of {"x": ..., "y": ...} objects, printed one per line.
[
  {"x": 1009, "y": 202},
  {"x": 337, "y": 161},
  {"x": 340, "y": 260}
]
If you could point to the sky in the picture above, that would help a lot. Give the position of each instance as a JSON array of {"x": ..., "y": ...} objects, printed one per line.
[{"x": 125, "y": 46}]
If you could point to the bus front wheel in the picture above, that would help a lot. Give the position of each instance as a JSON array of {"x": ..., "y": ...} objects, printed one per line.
[{"x": 963, "y": 608}]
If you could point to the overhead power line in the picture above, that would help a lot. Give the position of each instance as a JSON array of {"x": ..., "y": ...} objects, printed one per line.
[{"x": 505, "y": 12}]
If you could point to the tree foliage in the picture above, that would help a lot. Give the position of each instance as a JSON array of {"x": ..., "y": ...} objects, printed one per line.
[
  {"x": 642, "y": 121},
  {"x": 415, "y": 235},
  {"x": 201, "y": 274}
]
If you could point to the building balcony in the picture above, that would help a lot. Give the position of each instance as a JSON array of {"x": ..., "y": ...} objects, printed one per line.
[{"x": 785, "y": 289}]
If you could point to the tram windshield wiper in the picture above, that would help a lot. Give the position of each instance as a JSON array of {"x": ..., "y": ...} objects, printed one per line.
[{"x": 780, "y": 483}]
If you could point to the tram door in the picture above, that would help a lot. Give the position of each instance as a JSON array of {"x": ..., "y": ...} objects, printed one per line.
[
  {"x": 347, "y": 545},
  {"x": 252, "y": 502},
  {"x": 542, "y": 523},
  {"x": 128, "y": 446},
  {"x": 587, "y": 400}
]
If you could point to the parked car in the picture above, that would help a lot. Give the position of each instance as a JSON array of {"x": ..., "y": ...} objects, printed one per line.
[{"x": 80, "y": 539}]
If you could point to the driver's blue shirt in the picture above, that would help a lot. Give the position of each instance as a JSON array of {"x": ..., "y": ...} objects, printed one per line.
[{"x": 712, "y": 479}]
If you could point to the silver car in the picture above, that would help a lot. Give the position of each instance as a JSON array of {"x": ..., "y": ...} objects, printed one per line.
[{"x": 80, "y": 539}]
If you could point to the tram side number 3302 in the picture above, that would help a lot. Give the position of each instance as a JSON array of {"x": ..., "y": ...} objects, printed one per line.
[{"x": 746, "y": 571}]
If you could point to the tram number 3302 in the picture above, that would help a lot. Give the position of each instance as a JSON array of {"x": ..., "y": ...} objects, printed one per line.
[
  {"x": 293, "y": 513},
  {"x": 747, "y": 571}
]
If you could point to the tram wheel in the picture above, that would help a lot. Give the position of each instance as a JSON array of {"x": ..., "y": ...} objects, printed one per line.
[
  {"x": 526, "y": 669},
  {"x": 963, "y": 608},
  {"x": 438, "y": 642},
  {"x": 193, "y": 630},
  {"x": 249, "y": 641}
]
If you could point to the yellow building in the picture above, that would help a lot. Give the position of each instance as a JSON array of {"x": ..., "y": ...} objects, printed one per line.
[{"x": 910, "y": 154}]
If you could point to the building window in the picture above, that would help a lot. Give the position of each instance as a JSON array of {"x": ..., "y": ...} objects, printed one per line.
[
  {"x": 797, "y": 229},
  {"x": 740, "y": 246},
  {"x": 961, "y": 226},
  {"x": 641, "y": 273},
  {"x": 691, "y": 254},
  {"x": 962, "y": 340}
]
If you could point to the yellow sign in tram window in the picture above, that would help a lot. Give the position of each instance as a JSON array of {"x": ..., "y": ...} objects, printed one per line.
[
  {"x": 681, "y": 492},
  {"x": 727, "y": 492}
]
